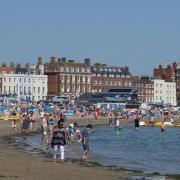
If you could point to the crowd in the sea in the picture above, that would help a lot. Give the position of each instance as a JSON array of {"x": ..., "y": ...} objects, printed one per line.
[{"x": 52, "y": 119}]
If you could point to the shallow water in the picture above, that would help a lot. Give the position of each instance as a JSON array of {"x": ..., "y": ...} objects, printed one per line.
[{"x": 148, "y": 149}]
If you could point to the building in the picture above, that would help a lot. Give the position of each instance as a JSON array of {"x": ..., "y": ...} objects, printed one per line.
[
  {"x": 166, "y": 73},
  {"x": 164, "y": 92},
  {"x": 67, "y": 77},
  {"x": 146, "y": 88},
  {"x": 104, "y": 76},
  {"x": 37, "y": 69},
  {"x": 24, "y": 86},
  {"x": 5, "y": 70},
  {"x": 112, "y": 98},
  {"x": 178, "y": 77},
  {"x": 39, "y": 87}
]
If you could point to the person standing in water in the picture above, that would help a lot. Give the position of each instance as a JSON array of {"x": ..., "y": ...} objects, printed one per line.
[
  {"x": 59, "y": 140},
  {"x": 162, "y": 125},
  {"x": 136, "y": 123},
  {"x": 85, "y": 140}
]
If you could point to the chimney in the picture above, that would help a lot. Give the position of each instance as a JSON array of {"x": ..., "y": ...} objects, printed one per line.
[
  {"x": 169, "y": 66},
  {"x": 126, "y": 68},
  {"x": 53, "y": 59},
  {"x": 160, "y": 66},
  {"x": 87, "y": 61},
  {"x": 63, "y": 60},
  {"x": 18, "y": 65},
  {"x": 174, "y": 65},
  {"x": 59, "y": 60},
  {"x": 40, "y": 61}
]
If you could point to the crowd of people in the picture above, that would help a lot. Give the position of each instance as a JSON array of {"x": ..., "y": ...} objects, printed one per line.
[{"x": 56, "y": 132}]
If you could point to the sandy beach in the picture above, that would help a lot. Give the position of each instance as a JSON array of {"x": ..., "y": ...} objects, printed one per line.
[{"x": 16, "y": 164}]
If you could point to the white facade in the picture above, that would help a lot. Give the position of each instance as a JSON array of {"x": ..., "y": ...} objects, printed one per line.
[
  {"x": 164, "y": 92},
  {"x": 23, "y": 86},
  {"x": 39, "y": 87}
]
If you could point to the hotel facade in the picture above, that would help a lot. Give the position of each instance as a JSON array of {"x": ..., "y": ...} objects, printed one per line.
[{"x": 24, "y": 86}]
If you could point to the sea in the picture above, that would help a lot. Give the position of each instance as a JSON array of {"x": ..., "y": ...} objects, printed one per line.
[{"x": 148, "y": 149}]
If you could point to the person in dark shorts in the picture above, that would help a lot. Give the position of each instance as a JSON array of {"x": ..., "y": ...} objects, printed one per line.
[
  {"x": 85, "y": 140},
  {"x": 136, "y": 123}
]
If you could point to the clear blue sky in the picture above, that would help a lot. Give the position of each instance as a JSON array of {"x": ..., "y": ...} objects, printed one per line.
[{"x": 138, "y": 33}]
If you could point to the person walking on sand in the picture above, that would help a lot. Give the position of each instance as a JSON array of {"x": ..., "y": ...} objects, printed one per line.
[
  {"x": 85, "y": 140},
  {"x": 59, "y": 140}
]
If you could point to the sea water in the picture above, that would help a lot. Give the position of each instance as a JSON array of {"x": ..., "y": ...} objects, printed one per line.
[{"x": 148, "y": 149}]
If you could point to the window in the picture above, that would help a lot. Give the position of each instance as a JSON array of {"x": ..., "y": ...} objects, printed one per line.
[
  {"x": 114, "y": 83},
  {"x": 24, "y": 80},
  {"x": 9, "y": 79},
  {"x": 20, "y": 90},
  {"x": 88, "y": 80},
  {"x": 19, "y": 79},
  {"x": 34, "y": 89},
  {"x": 67, "y": 78},
  {"x": 29, "y": 89},
  {"x": 4, "y": 79},
  {"x": 62, "y": 87},
  {"x": 5, "y": 89},
  {"x": 78, "y": 78},
  {"x": 83, "y": 78},
  {"x": 14, "y": 79},
  {"x": 77, "y": 69},
  {"x": 73, "y": 78},
  {"x": 62, "y": 77},
  {"x": 84, "y": 88},
  {"x": 89, "y": 88},
  {"x": 88, "y": 70},
  {"x": 38, "y": 89},
  {"x": 43, "y": 90},
  {"x": 14, "y": 89},
  {"x": 29, "y": 80},
  {"x": 67, "y": 88},
  {"x": 73, "y": 88},
  {"x": 9, "y": 89}
]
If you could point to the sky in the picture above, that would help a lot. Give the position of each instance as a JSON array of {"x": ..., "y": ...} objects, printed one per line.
[{"x": 140, "y": 34}]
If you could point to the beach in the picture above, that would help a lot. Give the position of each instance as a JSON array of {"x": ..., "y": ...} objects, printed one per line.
[{"x": 16, "y": 164}]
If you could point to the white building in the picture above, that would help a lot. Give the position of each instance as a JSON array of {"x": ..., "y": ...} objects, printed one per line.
[
  {"x": 26, "y": 87},
  {"x": 164, "y": 92},
  {"x": 39, "y": 87}
]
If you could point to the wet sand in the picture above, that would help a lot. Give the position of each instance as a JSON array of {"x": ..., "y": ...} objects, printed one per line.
[{"x": 16, "y": 164}]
